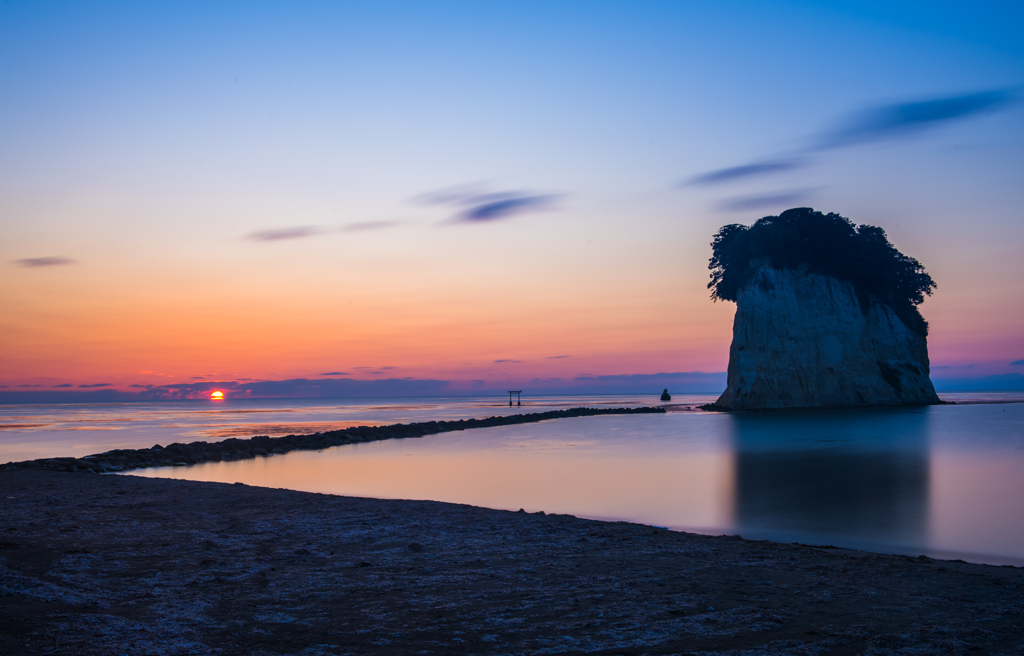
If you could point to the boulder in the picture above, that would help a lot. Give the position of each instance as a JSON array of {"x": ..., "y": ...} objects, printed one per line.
[{"x": 804, "y": 340}]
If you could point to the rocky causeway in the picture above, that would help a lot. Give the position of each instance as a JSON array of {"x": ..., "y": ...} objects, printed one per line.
[{"x": 179, "y": 454}]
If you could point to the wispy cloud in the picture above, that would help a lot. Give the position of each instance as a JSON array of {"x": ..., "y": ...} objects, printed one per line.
[
  {"x": 280, "y": 234},
  {"x": 556, "y": 357},
  {"x": 880, "y": 123},
  {"x": 480, "y": 205},
  {"x": 63, "y": 385},
  {"x": 514, "y": 361},
  {"x": 335, "y": 373},
  {"x": 747, "y": 171},
  {"x": 895, "y": 121},
  {"x": 302, "y": 388},
  {"x": 96, "y": 385},
  {"x": 502, "y": 208},
  {"x": 1017, "y": 363},
  {"x": 44, "y": 261}
]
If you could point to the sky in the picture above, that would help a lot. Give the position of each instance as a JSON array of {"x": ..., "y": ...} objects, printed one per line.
[{"x": 481, "y": 196}]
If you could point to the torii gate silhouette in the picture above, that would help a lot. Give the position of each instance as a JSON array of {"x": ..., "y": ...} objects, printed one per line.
[{"x": 518, "y": 397}]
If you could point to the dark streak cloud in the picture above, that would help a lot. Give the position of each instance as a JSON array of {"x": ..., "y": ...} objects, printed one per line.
[
  {"x": 505, "y": 207},
  {"x": 515, "y": 361},
  {"x": 281, "y": 234},
  {"x": 96, "y": 385},
  {"x": 44, "y": 261},
  {"x": 895, "y": 121},
  {"x": 682, "y": 382},
  {"x": 63, "y": 385},
  {"x": 556, "y": 357},
  {"x": 335, "y": 373},
  {"x": 747, "y": 171},
  {"x": 880, "y": 123},
  {"x": 1008, "y": 382},
  {"x": 480, "y": 205},
  {"x": 1017, "y": 363},
  {"x": 300, "y": 388}
]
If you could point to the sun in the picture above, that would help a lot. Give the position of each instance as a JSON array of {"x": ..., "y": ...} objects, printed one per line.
[{"x": 217, "y": 396}]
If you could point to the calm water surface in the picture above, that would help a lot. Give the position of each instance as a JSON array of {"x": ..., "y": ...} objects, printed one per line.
[
  {"x": 947, "y": 481},
  {"x": 44, "y": 431}
]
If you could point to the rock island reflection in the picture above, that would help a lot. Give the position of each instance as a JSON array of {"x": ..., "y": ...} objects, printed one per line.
[{"x": 861, "y": 476}]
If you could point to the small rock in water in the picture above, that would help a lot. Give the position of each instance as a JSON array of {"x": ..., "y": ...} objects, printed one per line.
[{"x": 665, "y": 396}]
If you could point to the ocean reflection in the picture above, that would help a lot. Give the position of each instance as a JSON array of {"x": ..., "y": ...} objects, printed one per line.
[
  {"x": 859, "y": 476},
  {"x": 946, "y": 481}
]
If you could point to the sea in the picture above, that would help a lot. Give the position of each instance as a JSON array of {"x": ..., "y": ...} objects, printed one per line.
[{"x": 943, "y": 481}]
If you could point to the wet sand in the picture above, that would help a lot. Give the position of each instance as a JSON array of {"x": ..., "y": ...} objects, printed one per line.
[{"x": 95, "y": 564}]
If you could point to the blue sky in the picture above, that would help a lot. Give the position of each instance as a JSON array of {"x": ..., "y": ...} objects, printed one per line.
[{"x": 274, "y": 157}]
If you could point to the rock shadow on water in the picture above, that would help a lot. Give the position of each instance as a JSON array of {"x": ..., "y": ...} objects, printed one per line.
[{"x": 860, "y": 476}]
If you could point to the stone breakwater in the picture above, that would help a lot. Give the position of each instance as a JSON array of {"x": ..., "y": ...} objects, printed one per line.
[{"x": 239, "y": 449}]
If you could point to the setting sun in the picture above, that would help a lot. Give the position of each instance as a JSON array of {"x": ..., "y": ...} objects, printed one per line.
[{"x": 217, "y": 396}]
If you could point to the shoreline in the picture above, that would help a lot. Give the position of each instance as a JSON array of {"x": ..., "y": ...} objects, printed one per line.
[{"x": 127, "y": 564}]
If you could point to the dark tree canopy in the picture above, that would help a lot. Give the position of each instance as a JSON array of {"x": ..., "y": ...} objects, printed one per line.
[{"x": 828, "y": 244}]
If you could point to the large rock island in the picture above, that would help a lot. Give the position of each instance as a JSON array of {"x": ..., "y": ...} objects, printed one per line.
[{"x": 826, "y": 315}]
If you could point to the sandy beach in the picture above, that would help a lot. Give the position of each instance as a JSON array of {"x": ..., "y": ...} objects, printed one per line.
[{"x": 103, "y": 564}]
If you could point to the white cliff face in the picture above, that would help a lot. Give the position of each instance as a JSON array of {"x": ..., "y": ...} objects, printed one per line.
[{"x": 805, "y": 340}]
